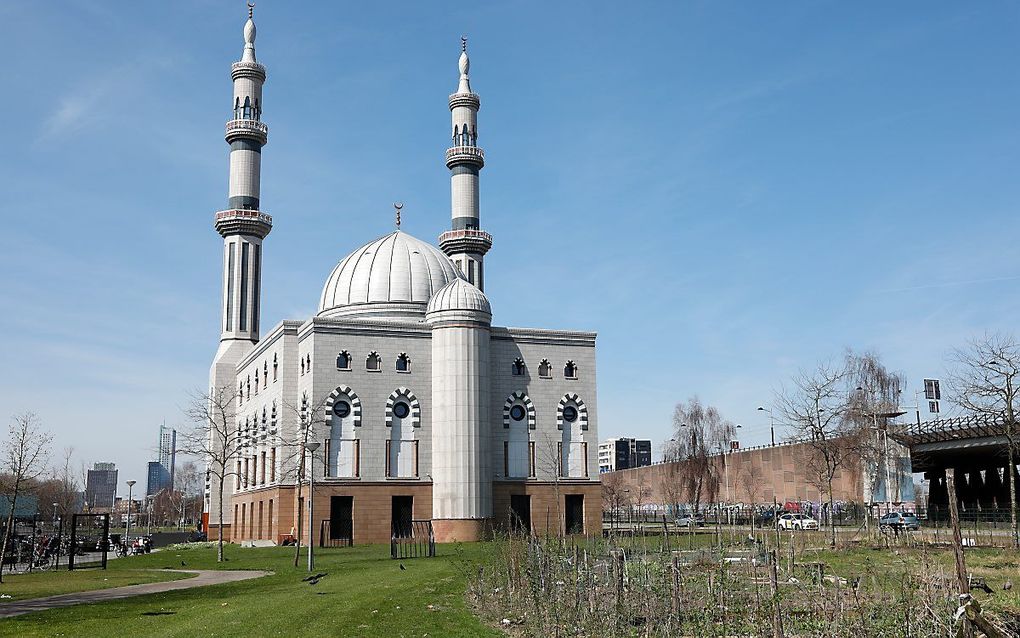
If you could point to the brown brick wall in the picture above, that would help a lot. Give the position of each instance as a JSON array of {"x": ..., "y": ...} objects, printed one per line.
[
  {"x": 372, "y": 510},
  {"x": 546, "y": 517},
  {"x": 748, "y": 476}
]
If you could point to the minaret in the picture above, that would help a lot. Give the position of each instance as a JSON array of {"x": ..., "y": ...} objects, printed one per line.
[
  {"x": 243, "y": 226},
  {"x": 466, "y": 244}
]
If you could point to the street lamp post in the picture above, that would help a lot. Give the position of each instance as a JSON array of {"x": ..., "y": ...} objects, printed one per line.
[
  {"x": 772, "y": 423},
  {"x": 311, "y": 446},
  {"x": 127, "y": 530}
]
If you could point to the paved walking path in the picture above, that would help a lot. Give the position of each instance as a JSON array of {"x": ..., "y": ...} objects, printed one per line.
[{"x": 204, "y": 577}]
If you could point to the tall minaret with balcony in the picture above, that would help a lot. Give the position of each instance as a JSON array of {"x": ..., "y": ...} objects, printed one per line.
[
  {"x": 243, "y": 226},
  {"x": 466, "y": 244}
]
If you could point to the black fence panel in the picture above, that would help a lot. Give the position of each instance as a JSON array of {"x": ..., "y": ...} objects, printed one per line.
[{"x": 415, "y": 541}]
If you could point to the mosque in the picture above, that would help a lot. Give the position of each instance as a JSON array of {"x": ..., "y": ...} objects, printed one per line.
[{"x": 399, "y": 398}]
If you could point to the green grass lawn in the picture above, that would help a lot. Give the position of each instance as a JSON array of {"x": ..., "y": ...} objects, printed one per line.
[
  {"x": 40, "y": 584},
  {"x": 365, "y": 594}
]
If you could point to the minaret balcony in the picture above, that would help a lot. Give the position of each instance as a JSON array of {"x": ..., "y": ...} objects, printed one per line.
[
  {"x": 247, "y": 128},
  {"x": 454, "y": 242},
  {"x": 252, "y": 70},
  {"x": 470, "y": 100},
  {"x": 465, "y": 155},
  {"x": 240, "y": 221}
]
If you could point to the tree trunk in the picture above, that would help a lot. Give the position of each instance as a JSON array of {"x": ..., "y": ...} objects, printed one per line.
[
  {"x": 961, "y": 564},
  {"x": 7, "y": 531},
  {"x": 832, "y": 519},
  {"x": 219, "y": 543},
  {"x": 297, "y": 520},
  {"x": 1012, "y": 486}
]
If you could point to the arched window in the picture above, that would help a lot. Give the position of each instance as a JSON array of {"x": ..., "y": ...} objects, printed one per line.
[
  {"x": 276, "y": 367},
  {"x": 240, "y": 393},
  {"x": 343, "y": 361},
  {"x": 403, "y": 416},
  {"x": 343, "y": 416},
  {"x": 246, "y": 111},
  {"x": 518, "y": 368},
  {"x": 545, "y": 369},
  {"x": 308, "y": 362},
  {"x": 247, "y": 387},
  {"x": 258, "y": 109},
  {"x": 403, "y": 363},
  {"x": 302, "y": 365},
  {"x": 237, "y": 108},
  {"x": 256, "y": 380},
  {"x": 456, "y": 133},
  {"x": 265, "y": 374},
  {"x": 374, "y": 362},
  {"x": 570, "y": 370}
]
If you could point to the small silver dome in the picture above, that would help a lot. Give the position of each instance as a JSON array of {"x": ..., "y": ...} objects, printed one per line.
[{"x": 459, "y": 294}]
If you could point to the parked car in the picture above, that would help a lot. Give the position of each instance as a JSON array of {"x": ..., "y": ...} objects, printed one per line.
[
  {"x": 796, "y": 521},
  {"x": 899, "y": 521},
  {"x": 690, "y": 520}
]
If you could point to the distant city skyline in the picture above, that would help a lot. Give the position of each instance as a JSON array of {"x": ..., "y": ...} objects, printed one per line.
[{"x": 741, "y": 190}]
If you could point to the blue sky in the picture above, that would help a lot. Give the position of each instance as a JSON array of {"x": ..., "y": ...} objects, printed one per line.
[{"x": 726, "y": 192}]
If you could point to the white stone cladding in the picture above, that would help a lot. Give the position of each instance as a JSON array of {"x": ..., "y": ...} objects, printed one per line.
[
  {"x": 248, "y": 87},
  {"x": 464, "y": 195},
  {"x": 242, "y": 265},
  {"x": 245, "y": 173},
  {"x": 558, "y": 347},
  {"x": 461, "y": 478}
]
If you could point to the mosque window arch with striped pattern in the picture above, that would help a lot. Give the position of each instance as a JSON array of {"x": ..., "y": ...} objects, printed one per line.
[
  {"x": 571, "y": 409},
  {"x": 523, "y": 401},
  {"x": 412, "y": 401},
  {"x": 339, "y": 394}
]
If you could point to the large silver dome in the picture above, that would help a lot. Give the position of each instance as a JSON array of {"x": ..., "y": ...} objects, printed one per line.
[{"x": 395, "y": 275}]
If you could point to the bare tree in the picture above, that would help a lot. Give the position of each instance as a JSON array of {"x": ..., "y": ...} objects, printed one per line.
[
  {"x": 23, "y": 461},
  {"x": 214, "y": 440},
  {"x": 831, "y": 409},
  {"x": 61, "y": 490},
  {"x": 188, "y": 479},
  {"x": 671, "y": 485},
  {"x": 699, "y": 431},
  {"x": 306, "y": 418},
  {"x": 984, "y": 379},
  {"x": 549, "y": 461}
]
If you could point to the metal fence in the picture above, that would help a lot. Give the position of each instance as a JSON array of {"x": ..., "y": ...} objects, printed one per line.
[
  {"x": 89, "y": 541},
  {"x": 419, "y": 543},
  {"x": 340, "y": 535}
]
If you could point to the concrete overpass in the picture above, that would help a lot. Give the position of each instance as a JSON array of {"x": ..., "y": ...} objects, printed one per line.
[{"x": 974, "y": 445}]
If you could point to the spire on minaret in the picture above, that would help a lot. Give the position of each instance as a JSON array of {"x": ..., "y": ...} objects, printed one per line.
[
  {"x": 465, "y": 66},
  {"x": 249, "y": 35}
]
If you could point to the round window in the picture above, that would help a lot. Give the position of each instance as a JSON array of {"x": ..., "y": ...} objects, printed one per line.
[
  {"x": 517, "y": 413},
  {"x": 570, "y": 414},
  {"x": 401, "y": 410},
  {"x": 341, "y": 409}
]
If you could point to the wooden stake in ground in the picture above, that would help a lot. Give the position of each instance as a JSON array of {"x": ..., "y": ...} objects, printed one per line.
[
  {"x": 777, "y": 612},
  {"x": 961, "y": 564}
]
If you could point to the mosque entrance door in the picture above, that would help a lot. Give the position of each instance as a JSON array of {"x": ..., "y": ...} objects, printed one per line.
[
  {"x": 520, "y": 513},
  {"x": 401, "y": 514},
  {"x": 341, "y": 518},
  {"x": 574, "y": 518}
]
